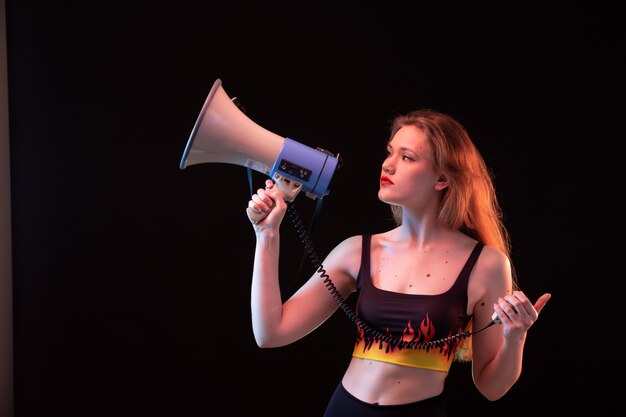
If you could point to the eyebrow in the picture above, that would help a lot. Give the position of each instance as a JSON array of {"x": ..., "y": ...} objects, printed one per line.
[{"x": 403, "y": 149}]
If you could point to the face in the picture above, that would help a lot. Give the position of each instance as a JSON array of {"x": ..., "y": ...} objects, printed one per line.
[{"x": 408, "y": 178}]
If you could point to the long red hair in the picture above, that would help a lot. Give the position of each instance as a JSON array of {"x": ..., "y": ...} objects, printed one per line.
[{"x": 469, "y": 203}]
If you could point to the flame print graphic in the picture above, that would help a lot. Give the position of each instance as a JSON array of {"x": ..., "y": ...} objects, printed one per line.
[{"x": 421, "y": 335}]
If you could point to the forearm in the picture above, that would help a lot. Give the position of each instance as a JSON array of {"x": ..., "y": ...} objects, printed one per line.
[
  {"x": 501, "y": 373},
  {"x": 266, "y": 301}
]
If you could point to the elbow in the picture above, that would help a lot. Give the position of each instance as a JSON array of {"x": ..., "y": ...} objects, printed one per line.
[
  {"x": 494, "y": 394},
  {"x": 494, "y": 386},
  {"x": 262, "y": 343},
  {"x": 265, "y": 342}
]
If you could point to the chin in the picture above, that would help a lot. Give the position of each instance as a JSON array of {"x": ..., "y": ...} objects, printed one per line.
[{"x": 381, "y": 197}]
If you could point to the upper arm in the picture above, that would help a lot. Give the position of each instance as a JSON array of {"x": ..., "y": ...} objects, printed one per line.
[
  {"x": 313, "y": 303},
  {"x": 491, "y": 278}
]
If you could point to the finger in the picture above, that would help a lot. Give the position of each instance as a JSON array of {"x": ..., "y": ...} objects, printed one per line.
[
  {"x": 276, "y": 196},
  {"x": 259, "y": 204},
  {"x": 511, "y": 305},
  {"x": 507, "y": 307},
  {"x": 495, "y": 317},
  {"x": 252, "y": 206},
  {"x": 541, "y": 302},
  {"x": 267, "y": 196},
  {"x": 522, "y": 304},
  {"x": 498, "y": 313}
]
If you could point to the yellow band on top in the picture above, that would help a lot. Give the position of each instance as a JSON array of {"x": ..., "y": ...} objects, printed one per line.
[{"x": 435, "y": 358}]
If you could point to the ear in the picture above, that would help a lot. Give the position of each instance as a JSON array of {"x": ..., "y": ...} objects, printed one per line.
[{"x": 442, "y": 183}]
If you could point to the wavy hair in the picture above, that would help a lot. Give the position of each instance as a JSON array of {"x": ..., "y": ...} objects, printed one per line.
[{"x": 469, "y": 203}]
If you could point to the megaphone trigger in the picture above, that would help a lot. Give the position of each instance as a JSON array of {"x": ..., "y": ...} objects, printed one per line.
[
  {"x": 495, "y": 318},
  {"x": 287, "y": 187}
]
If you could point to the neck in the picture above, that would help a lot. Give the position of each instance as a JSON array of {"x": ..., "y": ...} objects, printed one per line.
[{"x": 422, "y": 229}]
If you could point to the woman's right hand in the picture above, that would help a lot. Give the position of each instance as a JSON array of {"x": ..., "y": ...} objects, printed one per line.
[{"x": 267, "y": 207}]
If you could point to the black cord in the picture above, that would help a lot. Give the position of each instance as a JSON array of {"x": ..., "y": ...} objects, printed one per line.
[{"x": 373, "y": 332}]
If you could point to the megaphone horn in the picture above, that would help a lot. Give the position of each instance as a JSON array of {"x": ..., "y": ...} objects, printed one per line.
[{"x": 224, "y": 134}]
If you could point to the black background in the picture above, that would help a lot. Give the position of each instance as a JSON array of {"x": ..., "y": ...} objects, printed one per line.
[{"x": 132, "y": 277}]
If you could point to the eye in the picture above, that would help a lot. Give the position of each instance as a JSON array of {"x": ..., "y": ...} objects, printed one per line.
[{"x": 407, "y": 158}]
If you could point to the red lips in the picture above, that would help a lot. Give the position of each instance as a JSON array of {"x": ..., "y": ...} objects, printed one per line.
[{"x": 385, "y": 181}]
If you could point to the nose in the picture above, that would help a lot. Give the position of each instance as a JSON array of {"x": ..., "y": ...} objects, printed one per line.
[{"x": 388, "y": 167}]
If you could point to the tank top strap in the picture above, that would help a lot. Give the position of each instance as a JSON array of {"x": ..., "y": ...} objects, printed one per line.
[
  {"x": 469, "y": 264},
  {"x": 364, "y": 268}
]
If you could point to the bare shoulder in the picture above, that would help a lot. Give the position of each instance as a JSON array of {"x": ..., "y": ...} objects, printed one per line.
[
  {"x": 493, "y": 260},
  {"x": 492, "y": 271},
  {"x": 351, "y": 242},
  {"x": 347, "y": 255}
]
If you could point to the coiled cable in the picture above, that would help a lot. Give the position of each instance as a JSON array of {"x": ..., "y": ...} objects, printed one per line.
[{"x": 365, "y": 327}]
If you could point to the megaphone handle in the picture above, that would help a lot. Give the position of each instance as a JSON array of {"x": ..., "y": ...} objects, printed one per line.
[{"x": 287, "y": 187}]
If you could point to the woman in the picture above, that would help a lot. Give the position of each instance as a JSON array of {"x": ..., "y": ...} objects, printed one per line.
[{"x": 444, "y": 269}]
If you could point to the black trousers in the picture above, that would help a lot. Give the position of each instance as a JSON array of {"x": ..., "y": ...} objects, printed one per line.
[{"x": 344, "y": 404}]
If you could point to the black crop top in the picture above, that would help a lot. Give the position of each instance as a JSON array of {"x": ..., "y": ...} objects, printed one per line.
[{"x": 412, "y": 317}]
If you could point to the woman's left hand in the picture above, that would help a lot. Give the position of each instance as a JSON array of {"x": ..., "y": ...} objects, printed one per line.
[{"x": 517, "y": 313}]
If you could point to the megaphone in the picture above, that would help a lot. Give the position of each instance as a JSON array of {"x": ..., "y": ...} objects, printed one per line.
[{"x": 224, "y": 134}]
